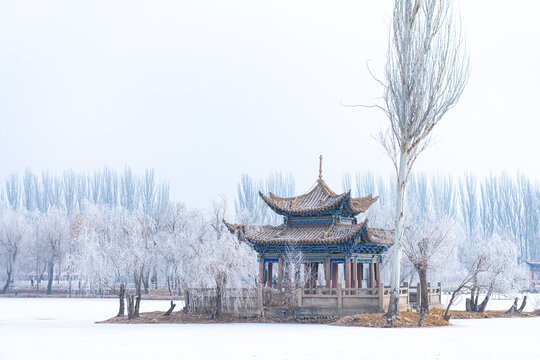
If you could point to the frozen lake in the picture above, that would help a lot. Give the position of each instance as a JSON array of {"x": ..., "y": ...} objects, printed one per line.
[{"x": 65, "y": 329}]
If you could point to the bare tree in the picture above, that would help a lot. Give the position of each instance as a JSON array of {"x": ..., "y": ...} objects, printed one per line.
[{"x": 426, "y": 72}]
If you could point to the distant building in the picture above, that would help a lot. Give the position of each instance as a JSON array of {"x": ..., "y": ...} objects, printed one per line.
[{"x": 534, "y": 265}]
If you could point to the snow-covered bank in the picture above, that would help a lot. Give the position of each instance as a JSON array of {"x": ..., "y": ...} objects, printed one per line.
[{"x": 65, "y": 329}]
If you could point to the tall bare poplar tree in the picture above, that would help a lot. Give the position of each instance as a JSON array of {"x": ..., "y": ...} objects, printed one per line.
[{"x": 426, "y": 71}]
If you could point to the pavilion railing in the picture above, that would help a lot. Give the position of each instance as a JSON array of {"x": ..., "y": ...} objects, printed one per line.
[
  {"x": 254, "y": 300},
  {"x": 434, "y": 294},
  {"x": 362, "y": 299}
]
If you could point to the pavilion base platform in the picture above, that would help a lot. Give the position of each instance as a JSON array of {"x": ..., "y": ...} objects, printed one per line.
[{"x": 309, "y": 302}]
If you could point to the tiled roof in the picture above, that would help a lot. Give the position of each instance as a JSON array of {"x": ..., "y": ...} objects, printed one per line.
[
  {"x": 380, "y": 236},
  {"x": 319, "y": 199},
  {"x": 335, "y": 233},
  {"x": 533, "y": 262}
]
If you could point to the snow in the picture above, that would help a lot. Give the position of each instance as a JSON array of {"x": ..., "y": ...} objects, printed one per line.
[
  {"x": 64, "y": 329},
  {"x": 497, "y": 302}
]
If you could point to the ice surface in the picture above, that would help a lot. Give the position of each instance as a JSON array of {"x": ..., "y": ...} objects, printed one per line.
[{"x": 65, "y": 329}]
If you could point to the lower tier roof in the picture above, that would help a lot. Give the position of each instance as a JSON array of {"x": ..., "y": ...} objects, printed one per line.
[{"x": 305, "y": 234}]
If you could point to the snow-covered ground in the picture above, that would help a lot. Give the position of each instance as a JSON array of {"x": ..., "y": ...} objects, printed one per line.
[{"x": 65, "y": 329}]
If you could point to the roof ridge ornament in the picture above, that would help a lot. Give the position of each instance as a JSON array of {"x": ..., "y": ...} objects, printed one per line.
[{"x": 320, "y": 167}]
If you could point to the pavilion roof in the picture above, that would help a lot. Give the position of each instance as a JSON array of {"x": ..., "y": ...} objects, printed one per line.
[
  {"x": 302, "y": 234},
  {"x": 319, "y": 199},
  {"x": 533, "y": 263}
]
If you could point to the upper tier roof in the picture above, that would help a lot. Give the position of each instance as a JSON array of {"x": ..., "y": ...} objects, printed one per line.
[
  {"x": 328, "y": 234},
  {"x": 320, "y": 199}
]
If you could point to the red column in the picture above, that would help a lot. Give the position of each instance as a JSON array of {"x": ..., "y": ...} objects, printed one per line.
[
  {"x": 354, "y": 275},
  {"x": 314, "y": 275},
  {"x": 261, "y": 270},
  {"x": 307, "y": 275},
  {"x": 327, "y": 272},
  {"x": 347, "y": 269},
  {"x": 334, "y": 274},
  {"x": 360, "y": 273},
  {"x": 378, "y": 272},
  {"x": 296, "y": 275},
  {"x": 280, "y": 274},
  {"x": 269, "y": 276},
  {"x": 371, "y": 274},
  {"x": 287, "y": 276}
]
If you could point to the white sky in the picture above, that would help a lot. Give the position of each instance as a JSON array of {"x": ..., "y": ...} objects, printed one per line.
[{"x": 204, "y": 91}]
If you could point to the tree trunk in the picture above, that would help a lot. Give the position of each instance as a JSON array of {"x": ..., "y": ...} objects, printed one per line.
[
  {"x": 523, "y": 303},
  {"x": 186, "y": 299},
  {"x": 393, "y": 307},
  {"x": 468, "y": 307},
  {"x": 482, "y": 306},
  {"x": 138, "y": 296},
  {"x": 452, "y": 298},
  {"x": 513, "y": 308},
  {"x": 130, "y": 309},
  {"x": 121, "y": 297},
  {"x": 424, "y": 296},
  {"x": 50, "y": 275},
  {"x": 145, "y": 278},
  {"x": 216, "y": 314},
  {"x": 475, "y": 291},
  {"x": 422, "y": 316},
  {"x": 170, "y": 309},
  {"x": 169, "y": 285},
  {"x": 8, "y": 281}
]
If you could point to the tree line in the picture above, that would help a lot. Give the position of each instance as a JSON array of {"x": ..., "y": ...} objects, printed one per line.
[
  {"x": 116, "y": 233},
  {"x": 121, "y": 233}
]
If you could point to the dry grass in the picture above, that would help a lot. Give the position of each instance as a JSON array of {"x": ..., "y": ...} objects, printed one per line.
[
  {"x": 177, "y": 317},
  {"x": 407, "y": 319},
  {"x": 181, "y": 317},
  {"x": 488, "y": 314}
]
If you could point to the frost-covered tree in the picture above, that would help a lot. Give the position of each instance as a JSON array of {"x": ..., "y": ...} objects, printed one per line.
[
  {"x": 225, "y": 261},
  {"x": 250, "y": 209},
  {"x": 13, "y": 234},
  {"x": 121, "y": 243},
  {"x": 13, "y": 191},
  {"x": 248, "y": 202},
  {"x": 426, "y": 72},
  {"x": 103, "y": 250},
  {"x": 427, "y": 243},
  {"x": 502, "y": 272},
  {"x": 53, "y": 234}
]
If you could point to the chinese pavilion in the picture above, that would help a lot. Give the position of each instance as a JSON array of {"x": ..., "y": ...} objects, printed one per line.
[
  {"x": 319, "y": 228},
  {"x": 534, "y": 265}
]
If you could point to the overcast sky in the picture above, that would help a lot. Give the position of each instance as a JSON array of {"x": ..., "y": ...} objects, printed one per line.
[{"x": 204, "y": 91}]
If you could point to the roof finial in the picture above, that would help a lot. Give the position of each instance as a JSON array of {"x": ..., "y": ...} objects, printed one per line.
[{"x": 320, "y": 167}]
